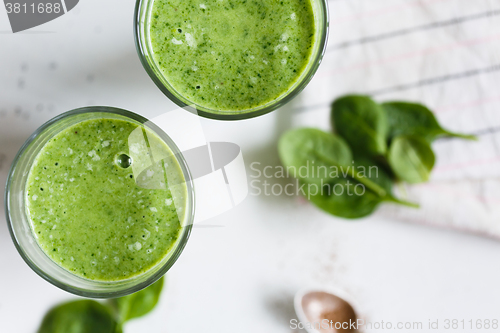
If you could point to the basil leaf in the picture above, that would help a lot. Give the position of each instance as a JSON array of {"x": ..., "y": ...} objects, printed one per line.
[
  {"x": 83, "y": 316},
  {"x": 317, "y": 157},
  {"x": 362, "y": 123},
  {"x": 415, "y": 119},
  {"x": 137, "y": 304},
  {"x": 411, "y": 158}
]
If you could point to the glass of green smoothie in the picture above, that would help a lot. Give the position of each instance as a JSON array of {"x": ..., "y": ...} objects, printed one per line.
[
  {"x": 231, "y": 59},
  {"x": 99, "y": 202}
]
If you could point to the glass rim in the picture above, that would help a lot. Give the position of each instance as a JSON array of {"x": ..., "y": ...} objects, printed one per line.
[
  {"x": 186, "y": 227},
  {"x": 287, "y": 96}
]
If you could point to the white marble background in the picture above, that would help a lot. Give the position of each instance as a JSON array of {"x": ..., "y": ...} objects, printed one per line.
[{"x": 241, "y": 277}]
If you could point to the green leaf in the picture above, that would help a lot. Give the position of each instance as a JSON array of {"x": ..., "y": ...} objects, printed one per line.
[
  {"x": 299, "y": 150},
  {"x": 348, "y": 198},
  {"x": 415, "y": 119},
  {"x": 411, "y": 158},
  {"x": 374, "y": 171},
  {"x": 330, "y": 178},
  {"x": 83, "y": 316},
  {"x": 338, "y": 198},
  {"x": 318, "y": 157},
  {"x": 137, "y": 304},
  {"x": 362, "y": 123}
]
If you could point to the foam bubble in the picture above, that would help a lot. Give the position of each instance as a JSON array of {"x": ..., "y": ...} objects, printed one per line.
[{"x": 190, "y": 40}]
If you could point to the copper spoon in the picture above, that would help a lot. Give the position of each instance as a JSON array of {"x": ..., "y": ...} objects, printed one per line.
[{"x": 326, "y": 311}]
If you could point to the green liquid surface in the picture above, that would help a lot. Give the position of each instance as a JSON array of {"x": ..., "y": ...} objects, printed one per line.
[
  {"x": 88, "y": 213},
  {"x": 232, "y": 55}
]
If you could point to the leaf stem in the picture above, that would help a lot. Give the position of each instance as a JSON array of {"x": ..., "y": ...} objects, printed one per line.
[
  {"x": 462, "y": 136},
  {"x": 390, "y": 198},
  {"x": 379, "y": 190}
]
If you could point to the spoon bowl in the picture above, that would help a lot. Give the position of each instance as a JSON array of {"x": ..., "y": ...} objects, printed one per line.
[{"x": 326, "y": 311}]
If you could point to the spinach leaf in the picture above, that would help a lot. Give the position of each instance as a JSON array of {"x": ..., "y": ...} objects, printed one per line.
[
  {"x": 318, "y": 157},
  {"x": 373, "y": 170},
  {"x": 329, "y": 176},
  {"x": 83, "y": 316},
  {"x": 336, "y": 200},
  {"x": 415, "y": 119},
  {"x": 362, "y": 123},
  {"x": 299, "y": 150},
  {"x": 350, "y": 199},
  {"x": 411, "y": 158},
  {"x": 376, "y": 171},
  {"x": 137, "y": 304}
]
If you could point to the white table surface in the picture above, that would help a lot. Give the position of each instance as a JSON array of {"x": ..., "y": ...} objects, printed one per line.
[{"x": 240, "y": 277}]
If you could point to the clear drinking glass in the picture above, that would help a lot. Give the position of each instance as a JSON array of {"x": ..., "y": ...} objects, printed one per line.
[
  {"x": 142, "y": 20},
  {"x": 19, "y": 222}
]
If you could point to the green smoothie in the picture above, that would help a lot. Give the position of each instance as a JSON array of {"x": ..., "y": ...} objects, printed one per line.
[
  {"x": 232, "y": 55},
  {"x": 87, "y": 212}
]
